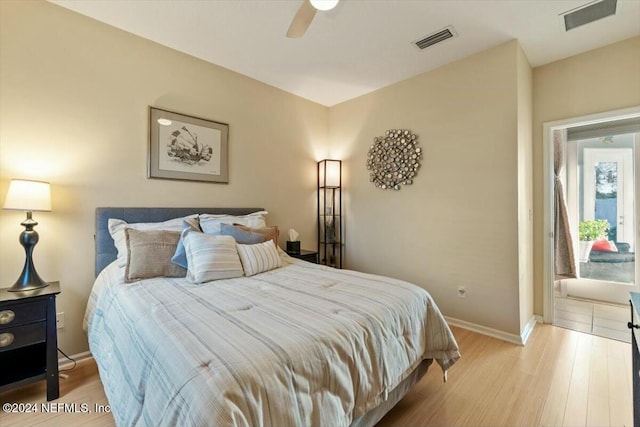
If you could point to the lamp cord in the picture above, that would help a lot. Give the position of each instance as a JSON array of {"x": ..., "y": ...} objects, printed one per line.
[{"x": 73, "y": 360}]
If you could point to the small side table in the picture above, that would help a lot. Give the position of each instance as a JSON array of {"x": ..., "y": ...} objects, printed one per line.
[
  {"x": 28, "y": 338},
  {"x": 310, "y": 256}
]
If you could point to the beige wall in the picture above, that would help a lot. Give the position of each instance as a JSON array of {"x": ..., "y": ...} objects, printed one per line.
[
  {"x": 597, "y": 81},
  {"x": 74, "y": 107},
  {"x": 458, "y": 223},
  {"x": 525, "y": 189},
  {"x": 73, "y": 111}
]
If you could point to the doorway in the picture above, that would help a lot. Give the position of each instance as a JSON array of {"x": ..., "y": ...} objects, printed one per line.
[
  {"x": 599, "y": 180},
  {"x": 608, "y": 184}
]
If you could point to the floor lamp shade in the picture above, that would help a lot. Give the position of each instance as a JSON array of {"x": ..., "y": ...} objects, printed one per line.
[
  {"x": 329, "y": 173},
  {"x": 29, "y": 196}
]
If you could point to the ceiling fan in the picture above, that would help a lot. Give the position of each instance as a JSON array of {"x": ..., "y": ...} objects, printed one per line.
[{"x": 305, "y": 14}]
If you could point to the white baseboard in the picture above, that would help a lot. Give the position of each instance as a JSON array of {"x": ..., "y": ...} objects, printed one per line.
[
  {"x": 63, "y": 361},
  {"x": 526, "y": 332},
  {"x": 495, "y": 333}
]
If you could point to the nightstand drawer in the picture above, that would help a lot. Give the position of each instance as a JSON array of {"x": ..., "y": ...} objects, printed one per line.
[
  {"x": 22, "y": 313},
  {"x": 310, "y": 256},
  {"x": 21, "y": 336}
]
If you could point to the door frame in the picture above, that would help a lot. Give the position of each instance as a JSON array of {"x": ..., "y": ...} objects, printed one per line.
[{"x": 548, "y": 181}]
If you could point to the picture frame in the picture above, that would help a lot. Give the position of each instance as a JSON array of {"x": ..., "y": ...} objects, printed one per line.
[{"x": 187, "y": 148}]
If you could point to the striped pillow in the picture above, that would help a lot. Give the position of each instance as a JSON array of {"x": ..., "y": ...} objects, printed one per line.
[
  {"x": 259, "y": 257},
  {"x": 211, "y": 257}
]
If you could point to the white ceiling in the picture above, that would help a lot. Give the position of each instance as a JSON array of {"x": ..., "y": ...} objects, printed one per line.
[{"x": 361, "y": 45}]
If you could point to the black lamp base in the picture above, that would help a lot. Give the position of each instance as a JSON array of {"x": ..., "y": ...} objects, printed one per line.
[
  {"x": 29, "y": 278},
  {"x": 28, "y": 283}
]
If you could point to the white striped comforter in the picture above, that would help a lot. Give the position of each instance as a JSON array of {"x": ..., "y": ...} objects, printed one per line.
[{"x": 300, "y": 345}]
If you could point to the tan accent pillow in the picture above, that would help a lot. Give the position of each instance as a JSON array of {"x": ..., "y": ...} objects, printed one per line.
[
  {"x": 269, "y": 232},
  {"x": 149, "y": 254}
]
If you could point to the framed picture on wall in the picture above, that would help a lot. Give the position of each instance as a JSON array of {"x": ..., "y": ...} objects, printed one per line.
[{"x": 187, "y": 148}]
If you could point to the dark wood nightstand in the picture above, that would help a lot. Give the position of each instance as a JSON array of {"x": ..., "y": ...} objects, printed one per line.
[
  {"x": 311, "y": 256},
  {"x": 28, "y": 338}
]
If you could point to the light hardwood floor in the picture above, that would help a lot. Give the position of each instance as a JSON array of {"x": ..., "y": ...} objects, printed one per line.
[{"x": 561, "y": 378}]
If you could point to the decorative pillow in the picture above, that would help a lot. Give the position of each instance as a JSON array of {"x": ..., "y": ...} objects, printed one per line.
[
  {"x": 117, "y": 227},
  {"x": 604, "y": 246},
  {"x": 242, "y": 236},
  {"x": 259, "y": 257},
  {"x": 149, "y": 254},
  {"x": 180, "y": 256},
  {"x": 270, "y": 233},
  {"x": 210, "y": 224},
  {"x": 211, "y": 257}
]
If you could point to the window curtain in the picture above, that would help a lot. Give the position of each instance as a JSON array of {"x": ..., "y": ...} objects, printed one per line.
[{"x": 565, "y": 266}]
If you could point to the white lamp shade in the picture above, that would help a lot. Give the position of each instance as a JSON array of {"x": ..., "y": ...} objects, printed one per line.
[
  {"x": 324, "y": 4},
  {"x": 329, "y": 171},
  {"x": 27, "y": 195}
]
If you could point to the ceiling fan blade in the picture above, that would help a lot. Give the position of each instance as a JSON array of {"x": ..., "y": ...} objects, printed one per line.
[{"x": 302, "y": 20}]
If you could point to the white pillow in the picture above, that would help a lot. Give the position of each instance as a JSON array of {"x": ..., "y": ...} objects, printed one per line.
[
  {"x": 211, "y": 257},
  {"x": 210, "y": 224},
  {"x": 259, "y": 257},
  {"x": 117, "y": 227}
]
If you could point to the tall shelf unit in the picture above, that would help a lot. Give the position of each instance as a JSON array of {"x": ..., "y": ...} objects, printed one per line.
[{"x": 330, "y": 236}]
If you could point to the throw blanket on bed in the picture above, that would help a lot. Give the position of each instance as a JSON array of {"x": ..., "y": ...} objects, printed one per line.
[{"x": 296, "y": 346}]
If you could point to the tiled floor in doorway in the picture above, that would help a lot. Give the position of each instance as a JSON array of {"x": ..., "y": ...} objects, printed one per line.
[{"x": 605, "y": 320}]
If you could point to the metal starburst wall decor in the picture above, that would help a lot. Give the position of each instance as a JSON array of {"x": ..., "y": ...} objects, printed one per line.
[{"x": 394, "y": 159}]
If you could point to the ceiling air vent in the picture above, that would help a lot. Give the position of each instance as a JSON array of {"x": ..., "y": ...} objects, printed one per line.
[
  {"x": 436, "y": 37},
  {"x": 589, "y": 13}
]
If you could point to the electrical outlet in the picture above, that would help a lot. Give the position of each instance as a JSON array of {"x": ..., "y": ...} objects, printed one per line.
[
  {"x": 462, "y": 292},
  {"x": 60, "y": 320}
]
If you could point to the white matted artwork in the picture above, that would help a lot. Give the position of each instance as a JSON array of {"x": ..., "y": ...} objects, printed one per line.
[{"x": 187, "y": 148}]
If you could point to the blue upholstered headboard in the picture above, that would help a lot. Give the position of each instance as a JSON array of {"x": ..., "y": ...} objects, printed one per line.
[{"x": 105, "y": 248}]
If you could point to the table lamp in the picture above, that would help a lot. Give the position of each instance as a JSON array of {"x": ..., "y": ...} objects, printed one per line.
[{"x": 29, "y": 196}]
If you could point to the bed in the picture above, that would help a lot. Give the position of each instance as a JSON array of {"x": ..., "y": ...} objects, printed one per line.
[{"x": 297, "y": 345}]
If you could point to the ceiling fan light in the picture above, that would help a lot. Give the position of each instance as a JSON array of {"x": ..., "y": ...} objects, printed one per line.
[{"x": 324, "y": 4}]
